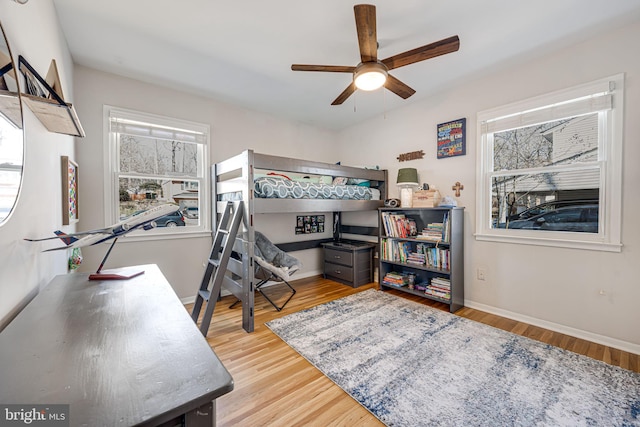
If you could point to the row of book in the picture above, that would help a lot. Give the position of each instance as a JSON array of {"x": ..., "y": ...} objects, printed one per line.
[
  {"x": 436, "y": 231},
  {"x": 398, "y": 225},
  {"x": 439, "y": 258},
  {"x": 400, "y": 280},
  {"x": 416, "y": 254},
  {"x": 439, "y": 287}
]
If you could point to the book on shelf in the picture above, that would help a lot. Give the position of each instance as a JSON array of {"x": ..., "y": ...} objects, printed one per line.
[
  {"x": 441, "y": 281},
  {"x": 439, "y": 287},
  {"x": 438, "y": 258},
  {"x": 393, "y": 278},
  {"x": 436, "y": 231},
  {"x": 446, "y": 229},
  {"x": 416, "y": 258},
  {"x": 443, "y": 295},
  {"x": 422, "y": 255},
  {"x": 398, "y": 225},
  {"x": 395, "y": 251}
]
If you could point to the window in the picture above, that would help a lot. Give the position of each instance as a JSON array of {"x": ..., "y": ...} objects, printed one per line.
[
  {"x": 10, "y": 164},
  {"x": 549, "y": 169},
  {"x": 155, "y": 160}
]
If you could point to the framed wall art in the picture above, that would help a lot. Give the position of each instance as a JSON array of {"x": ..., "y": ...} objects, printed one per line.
[
  {"x": 69, "y": 191},
  {"x": 451, "y": 138},
  {"x": 309, "y": 224}
]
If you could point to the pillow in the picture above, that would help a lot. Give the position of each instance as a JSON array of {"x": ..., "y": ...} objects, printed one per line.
[
  {"x": 340, "y": 180},
  {"x": 359, "y": 182},
  {"x": 298, "y": 177},
  {"x": 326, "y": 179},
  {"x": 356, "y": 181},
  {"x": 314, "y": 179}
]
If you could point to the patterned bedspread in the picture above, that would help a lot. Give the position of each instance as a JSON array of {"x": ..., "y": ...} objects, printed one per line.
[{"x": 278, "y": 188}]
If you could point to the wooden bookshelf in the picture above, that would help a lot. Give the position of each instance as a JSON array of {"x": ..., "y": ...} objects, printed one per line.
[
  {"x": 56, "y": 117},
  {"x": 45, "y": 98}
]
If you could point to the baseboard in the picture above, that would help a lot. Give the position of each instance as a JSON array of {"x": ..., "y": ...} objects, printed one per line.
[
  {"x": 188, "y": 300},
  {"x": 556, "y": 327},
  {"x": 192, "y": 299}
]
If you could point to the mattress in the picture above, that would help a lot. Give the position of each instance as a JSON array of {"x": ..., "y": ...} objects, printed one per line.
[{"x": 279, "y": 188}]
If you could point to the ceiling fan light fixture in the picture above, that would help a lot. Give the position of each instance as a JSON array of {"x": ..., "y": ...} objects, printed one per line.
[{"x": 370, "y": 76}]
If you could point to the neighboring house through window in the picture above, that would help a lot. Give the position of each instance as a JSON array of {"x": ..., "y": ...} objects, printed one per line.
[
  {"x": 155, "y": 160},
  {"x": 549, "y": 169}
]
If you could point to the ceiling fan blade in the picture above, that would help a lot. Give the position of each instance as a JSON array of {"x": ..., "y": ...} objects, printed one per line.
[
  {"x": 366, "y": 28},
  {"x": 327, "y": 68},
  {"x": 429, "y": 51},
  {"x": 345, "y": 94},
  {"x": 397, "y": 87}
]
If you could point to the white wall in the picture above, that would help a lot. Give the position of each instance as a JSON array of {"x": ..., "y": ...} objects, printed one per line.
[
  {"x": 233, "y": 130},
  {"x": 32, "y": 31},
  {"x": 552, "y": 287}
]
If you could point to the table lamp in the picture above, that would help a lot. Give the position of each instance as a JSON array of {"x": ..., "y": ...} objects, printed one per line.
[{"x": 407, "y": 180}]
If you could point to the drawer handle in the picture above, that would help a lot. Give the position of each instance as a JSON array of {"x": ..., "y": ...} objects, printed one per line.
[{"x": 338, "y": 272}]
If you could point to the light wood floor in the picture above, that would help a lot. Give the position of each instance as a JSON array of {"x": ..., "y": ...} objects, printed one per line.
[{"x": 274, "y": 386}]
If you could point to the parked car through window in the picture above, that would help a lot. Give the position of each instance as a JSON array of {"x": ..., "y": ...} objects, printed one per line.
[
  {"x": 548, "y": 207},
  {"x": 582, "y": 218},
  {"x": 175, "y": 219}
]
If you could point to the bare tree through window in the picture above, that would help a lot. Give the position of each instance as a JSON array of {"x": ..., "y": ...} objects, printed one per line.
[{"x": 527, "y": 151}]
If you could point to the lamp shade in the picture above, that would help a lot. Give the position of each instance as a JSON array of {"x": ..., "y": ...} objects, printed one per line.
[{"x": 407, "y": 176}]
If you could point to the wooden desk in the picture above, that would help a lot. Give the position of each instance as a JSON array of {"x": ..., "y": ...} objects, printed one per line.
[{"x": 118, "y": 352}]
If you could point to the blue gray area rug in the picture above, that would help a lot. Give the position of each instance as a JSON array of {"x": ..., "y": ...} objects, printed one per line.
[{"x": 411, "y": 365}]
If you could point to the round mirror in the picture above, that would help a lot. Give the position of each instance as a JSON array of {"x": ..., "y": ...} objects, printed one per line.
[{"x": 11, "y": 133}]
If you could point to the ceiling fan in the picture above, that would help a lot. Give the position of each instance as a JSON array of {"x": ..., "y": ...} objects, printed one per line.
[{"x": 371, "y": 73}]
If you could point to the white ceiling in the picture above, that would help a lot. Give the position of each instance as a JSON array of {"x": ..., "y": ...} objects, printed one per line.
[{"x": 241, "y": 51}]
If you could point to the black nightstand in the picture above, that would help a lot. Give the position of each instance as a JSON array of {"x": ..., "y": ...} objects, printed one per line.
[{"x": 349, "y": 262}]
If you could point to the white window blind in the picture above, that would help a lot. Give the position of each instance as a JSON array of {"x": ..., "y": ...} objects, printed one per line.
[
  {"x": 133, "y": 128},
  {"x": 576, "y": 107},
  {"x": 140, "y": 124}
]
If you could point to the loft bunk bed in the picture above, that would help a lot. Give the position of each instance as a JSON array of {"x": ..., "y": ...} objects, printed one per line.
[{"x": 269, "y": 184}]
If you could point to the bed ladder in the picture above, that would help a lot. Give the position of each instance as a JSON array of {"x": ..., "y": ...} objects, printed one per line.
[{"x": 223, "y": 241}]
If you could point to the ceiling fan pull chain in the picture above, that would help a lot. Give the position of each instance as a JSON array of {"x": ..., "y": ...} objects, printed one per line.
[{"x": 384, "y": 104}]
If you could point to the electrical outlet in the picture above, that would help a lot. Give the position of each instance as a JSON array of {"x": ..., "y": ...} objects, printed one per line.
[{"x": 481, "y": 274}]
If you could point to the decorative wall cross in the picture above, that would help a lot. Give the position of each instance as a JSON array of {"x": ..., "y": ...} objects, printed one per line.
[{"x": 457, "y": 187}]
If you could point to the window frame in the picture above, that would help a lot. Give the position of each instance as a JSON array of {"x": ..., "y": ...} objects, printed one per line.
[
  {"x": 112, "y": 173},
  {"x": 610, "y": 144}
]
